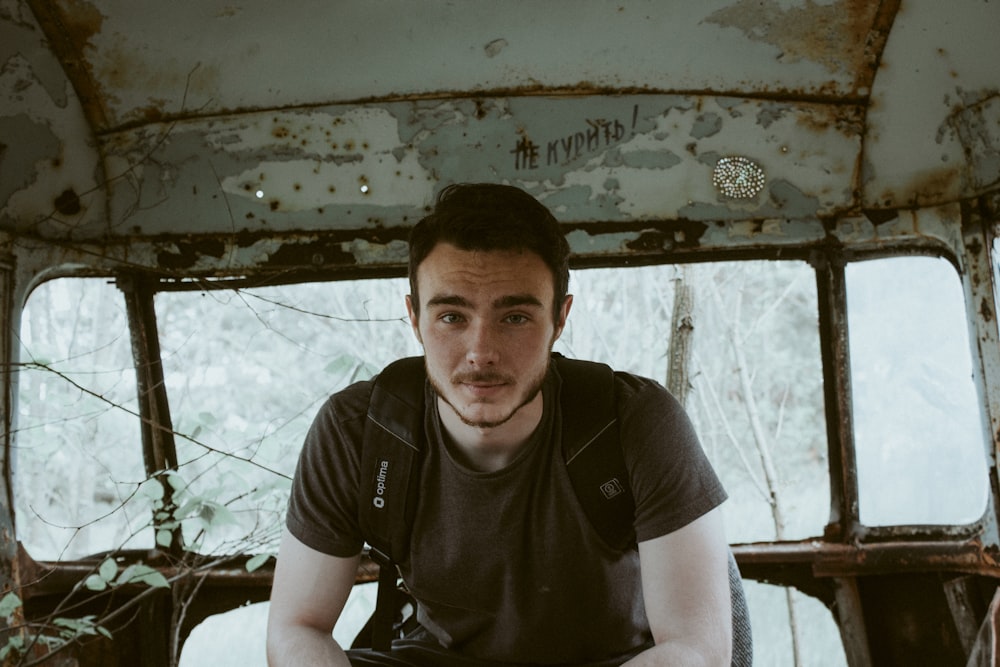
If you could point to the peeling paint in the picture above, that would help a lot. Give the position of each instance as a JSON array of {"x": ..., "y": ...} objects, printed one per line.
[
  {"x": 812, "y": 31},
  {"x": 978, "y": 128},
  {"x": 129, "y": 148},
  {"x": 20, "y": 162}
]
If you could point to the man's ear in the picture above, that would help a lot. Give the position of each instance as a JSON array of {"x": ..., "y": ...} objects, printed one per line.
[
  {"x": 563, "y": 315},
  {"x": 414, "y": 318}
]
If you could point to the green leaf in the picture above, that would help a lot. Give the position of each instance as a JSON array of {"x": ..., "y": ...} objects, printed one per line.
[
  {"x": 177, "y": 482},
  {"x": 164, "y": 538},
  {"x": 108, "y": 569},
  {"x": 15, "y": 644},
  {"x": 142, "y": 574},
  {"x": 152, "y": 489},
  {"x": 258, "y": 560},
  {"x": 339, "y": 365},
  {"x": 95, "y": 583},
  {"x": 9, "y": 604},
  {"x": 189, "y": 508},
  {"x": 87, "y": 625},
  {"x": 216, "y": 514}
]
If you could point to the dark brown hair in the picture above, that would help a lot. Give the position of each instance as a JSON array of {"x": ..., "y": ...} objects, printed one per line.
[{"x": 489, "y": 216}]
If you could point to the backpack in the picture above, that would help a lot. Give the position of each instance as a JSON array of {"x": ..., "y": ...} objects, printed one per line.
[{"x": 390, "y": 470}]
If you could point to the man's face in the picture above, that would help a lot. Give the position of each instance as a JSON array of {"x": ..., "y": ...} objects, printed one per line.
[{"x": 486, "y": 324}]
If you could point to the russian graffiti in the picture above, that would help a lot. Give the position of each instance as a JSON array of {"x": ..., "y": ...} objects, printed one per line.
[{"x": 598, "y": 134}]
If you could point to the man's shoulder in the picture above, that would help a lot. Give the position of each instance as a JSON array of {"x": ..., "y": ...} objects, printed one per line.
[
  {"x": 403, "y": 376},
  {"x": 626, "y": 383},
  {"x": 351, "y": 402}
]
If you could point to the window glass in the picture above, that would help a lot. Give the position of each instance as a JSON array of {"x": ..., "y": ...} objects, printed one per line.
[
  {"x": 776, "y": 613},
  {"x": 754, "y": 371},
  {"x": 920, "y": 444},
  {"x": 246, "y": 371},
  {"x": 77, "y": 450}
]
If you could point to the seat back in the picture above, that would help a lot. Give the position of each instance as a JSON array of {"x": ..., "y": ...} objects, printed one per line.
[{"x": 742, "y": 635}]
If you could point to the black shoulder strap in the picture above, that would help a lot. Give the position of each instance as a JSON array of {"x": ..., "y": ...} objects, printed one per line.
[
  {"x": 592, "y": 449},
  {"x": 390, "y": 471}
]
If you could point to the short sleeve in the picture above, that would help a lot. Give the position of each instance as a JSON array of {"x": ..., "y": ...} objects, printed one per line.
[
  {"x": 322, "y": 510},
  {"x": 672, "y": 479}
]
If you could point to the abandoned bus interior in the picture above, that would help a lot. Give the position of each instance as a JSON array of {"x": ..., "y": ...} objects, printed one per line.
[{"x": 786, "y": 211}]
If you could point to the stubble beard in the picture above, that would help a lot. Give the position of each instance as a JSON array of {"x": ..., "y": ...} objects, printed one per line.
[{"x": 531, "y": 391}]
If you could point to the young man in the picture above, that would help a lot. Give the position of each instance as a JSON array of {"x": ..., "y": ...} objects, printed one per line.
[{"x": 505, "y": 566}]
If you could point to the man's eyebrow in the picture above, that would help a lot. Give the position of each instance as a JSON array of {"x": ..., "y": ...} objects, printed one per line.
[
  {"x": 507, "y": 301},
  {"x": 513, "y": 300},
  {"x": 447, "y": 300}
]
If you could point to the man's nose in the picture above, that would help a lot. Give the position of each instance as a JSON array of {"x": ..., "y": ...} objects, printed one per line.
[{"x": 484, "y": 345}]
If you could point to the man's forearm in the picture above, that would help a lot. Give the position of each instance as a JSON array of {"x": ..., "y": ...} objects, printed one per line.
[
  {"x": 304, "y": 647},
  {"x": 678, "y": 654}
]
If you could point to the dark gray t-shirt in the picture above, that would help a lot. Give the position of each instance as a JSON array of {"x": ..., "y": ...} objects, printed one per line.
[{"x": 505, "y": 565}]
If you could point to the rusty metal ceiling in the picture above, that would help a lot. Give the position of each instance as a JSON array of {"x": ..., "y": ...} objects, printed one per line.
[{"x": 126, "y": 117}]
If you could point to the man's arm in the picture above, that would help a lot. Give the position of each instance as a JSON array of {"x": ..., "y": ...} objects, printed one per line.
[
  {"x": 307, "y": 597},
  {"x": 685, "y": 585}
]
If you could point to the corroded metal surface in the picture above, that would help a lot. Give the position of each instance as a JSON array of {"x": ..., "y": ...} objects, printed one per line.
[
  {"x": 120, "y": 122},
  {"x": 182, "y": 142}
]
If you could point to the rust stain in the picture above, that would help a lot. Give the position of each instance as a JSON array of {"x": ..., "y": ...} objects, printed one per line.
[
  {"x": 829, "y": 35},
  {"x": 68, "y": 203},
  {"x": 928, "y": 188},
  {"x": 118, "y": 68},
  {"x": 986, "y": 310},
  {"x": 69, "y": 33}
]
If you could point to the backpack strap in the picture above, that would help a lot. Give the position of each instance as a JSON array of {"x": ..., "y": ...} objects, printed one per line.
[
  {"x": 390, "y": 472},
  {"x": 592, "y": 449},
  {"x": 391, "y": 455}
]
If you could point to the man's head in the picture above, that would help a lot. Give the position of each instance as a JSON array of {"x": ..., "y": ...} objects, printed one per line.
[
  {"x": 487, "y": 216},
  {"x": 489, "y": 274}
]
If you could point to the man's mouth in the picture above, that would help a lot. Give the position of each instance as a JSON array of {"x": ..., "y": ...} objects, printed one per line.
[{"x": 481, "y": 382}]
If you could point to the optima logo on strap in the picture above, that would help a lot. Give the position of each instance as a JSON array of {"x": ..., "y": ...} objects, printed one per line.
[{"x": 383, "y": 471}]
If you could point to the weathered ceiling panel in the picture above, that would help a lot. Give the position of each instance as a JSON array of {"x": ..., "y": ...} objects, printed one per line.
[
  {"x": 149, "y": 60},
  {"x": 934, "y": 119},
  {"x": 49, "y": 164},
  {"x": 123, "y": 118},
  {"x": 592, "y": 159}
]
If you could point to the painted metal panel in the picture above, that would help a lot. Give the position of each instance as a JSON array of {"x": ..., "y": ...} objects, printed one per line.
[
  {"x": 49, "y": 165},
  {"x": 933, "y": 127},
  {"x": 150, "y": 60},
  {"x": 593, "y": 159}
]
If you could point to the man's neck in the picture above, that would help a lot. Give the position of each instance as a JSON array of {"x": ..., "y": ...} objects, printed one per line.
[{"x": 493, "y": 448}]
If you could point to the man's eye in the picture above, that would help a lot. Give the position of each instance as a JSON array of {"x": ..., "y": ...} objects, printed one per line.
[
  {"x": 517, "y": 319},
  {"x": 450, "y": 318}
]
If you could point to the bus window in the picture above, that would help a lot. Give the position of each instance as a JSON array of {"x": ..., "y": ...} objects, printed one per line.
[
  {"x": 754, "y": 374},
  {"x": 919, "y": 441},
  {"x": 77, "y": 449},
  {"x": 246, "y": 371}
]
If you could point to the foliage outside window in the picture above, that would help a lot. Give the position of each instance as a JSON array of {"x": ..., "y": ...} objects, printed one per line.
[{"x": 245, "y": 371}]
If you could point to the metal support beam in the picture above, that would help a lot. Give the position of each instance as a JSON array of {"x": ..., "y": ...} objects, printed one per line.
[
  {"x": 158, "y": 447},
  {"x": 831, "y": 293}
]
